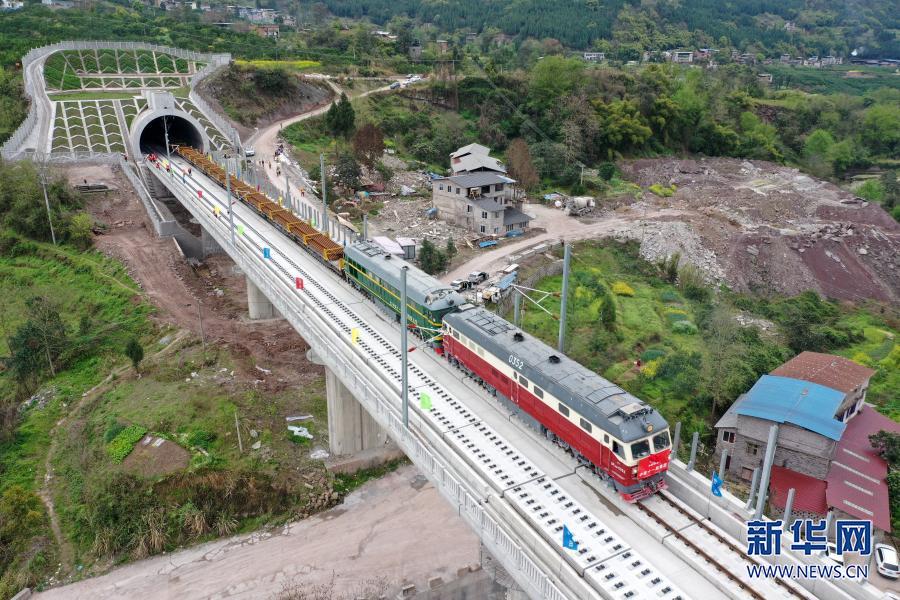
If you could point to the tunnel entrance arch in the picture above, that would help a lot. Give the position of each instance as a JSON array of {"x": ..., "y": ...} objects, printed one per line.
[
  {"x": 149, "y": 128},
  {"x": 180, "y": 132}
]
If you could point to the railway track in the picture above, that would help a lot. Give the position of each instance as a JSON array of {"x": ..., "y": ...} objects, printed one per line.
[
  {"x": 685, "y": 531},
  {"x": 510, "y": 483}
]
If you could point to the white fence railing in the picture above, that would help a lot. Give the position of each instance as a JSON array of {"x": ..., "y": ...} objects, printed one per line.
[{"x": 12, "y": 148}]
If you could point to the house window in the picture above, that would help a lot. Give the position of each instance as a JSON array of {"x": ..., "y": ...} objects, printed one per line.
[
  {"x": 498, "y": 187},
  {"x": 496, "y": 230},
  {"x": 441, "y": 187},
  {"x": 564, "y": 410},
  {"x": 482, "y": 228},
  {"x": 468, "y": 208},
  {"x": 746, "y": 473},
  {"x": 585, "y": 425},
  {"x": 752, "y": 449},
  {"x": 484, "y": 214},
  {"x": 728, "y": 436},
  {"x": 457, "y": 190}
]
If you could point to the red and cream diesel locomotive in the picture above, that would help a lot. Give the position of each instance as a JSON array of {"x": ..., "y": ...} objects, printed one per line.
[{"x": 623, "y": 439}]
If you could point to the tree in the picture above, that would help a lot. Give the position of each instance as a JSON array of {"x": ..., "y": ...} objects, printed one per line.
[
  {"x": 340, "y": 116},
  {"x": 888, "y": 445},
  {"x": 38, "y": 343},
  {"x": 450, "y": 249},
  {"x": 347, "y": 170},
  {"x": 81, "y": 229},
  {"x": 368, "y": 144},
  {"x": 608, "y": 312},
  {"x": 521, "y": 167},
  {"x": 431, "y": 259},
  {"x": 135, "y": 353},
  {"x": 607, "y": 171}
]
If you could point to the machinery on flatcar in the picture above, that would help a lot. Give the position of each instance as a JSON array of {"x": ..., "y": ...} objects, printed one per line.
[
  {"x": 622, "y": 438},
  {"x": 374, "y": 271}
]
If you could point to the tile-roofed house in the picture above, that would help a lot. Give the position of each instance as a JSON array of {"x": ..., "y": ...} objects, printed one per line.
[
  {"x": 832, "y": 371},
  {"x": 472, "y": 158},
  {"x": 856, "y": 480}
]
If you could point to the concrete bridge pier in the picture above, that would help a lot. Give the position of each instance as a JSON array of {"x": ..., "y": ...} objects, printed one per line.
[
  {"x": 355, "y": 439},
  {"x": 258, "y": 306},
  {"x": 209, "y": 245}
]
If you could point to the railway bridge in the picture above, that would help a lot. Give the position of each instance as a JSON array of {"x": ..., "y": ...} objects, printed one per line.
[{"x": 515, "y": 490}]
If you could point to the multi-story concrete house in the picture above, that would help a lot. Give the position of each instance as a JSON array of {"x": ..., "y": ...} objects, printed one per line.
[
  {"x": 822, "y": 448},
  {"x": 485, "y": 202}
]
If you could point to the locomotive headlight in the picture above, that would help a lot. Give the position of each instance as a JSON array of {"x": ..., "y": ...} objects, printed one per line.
[{"x": 649, "y": 428}]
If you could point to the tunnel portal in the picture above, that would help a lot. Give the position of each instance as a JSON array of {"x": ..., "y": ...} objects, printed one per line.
[{"x": 181, "y": 132}]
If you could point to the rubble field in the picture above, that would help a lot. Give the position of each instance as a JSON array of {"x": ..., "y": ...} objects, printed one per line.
[{"x": 759, "y": 226}]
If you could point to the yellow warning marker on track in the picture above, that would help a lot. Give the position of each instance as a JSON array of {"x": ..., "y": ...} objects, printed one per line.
[{"x": 354, "y": 335}]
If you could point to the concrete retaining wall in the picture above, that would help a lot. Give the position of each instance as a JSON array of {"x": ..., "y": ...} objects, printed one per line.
[{"x": 728, "y": 514}]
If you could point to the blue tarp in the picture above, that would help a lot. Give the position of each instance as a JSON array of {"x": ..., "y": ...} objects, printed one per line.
[
  {"x": 487, "y": 244},
  {"x": 507, "y": 280},
  {"x": 802, "y": 403},
  {"x": 514, "y": 233}
]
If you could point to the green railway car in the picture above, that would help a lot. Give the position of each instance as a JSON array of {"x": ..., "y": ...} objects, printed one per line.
[{"x": 371, "y": 269}]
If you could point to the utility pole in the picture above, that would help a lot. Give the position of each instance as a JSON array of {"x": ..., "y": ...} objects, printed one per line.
[
  {"x": 567, "y": 256},
  {"x": 404, "y": 392},
  {"x": 228, "y": 200},
  {"x": 43, "y": 178},
  {"x": 517, "y": 313},
  {"x": 166, "y": 131},
  {"x": 287, "y": 191},
  {"x": 324, "y": 201},
  {"x": 365, "y": 230}
]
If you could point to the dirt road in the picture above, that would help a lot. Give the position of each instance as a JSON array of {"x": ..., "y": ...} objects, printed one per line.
[
  {"x": 396, "y": 529},
  {"x": 266, "y": 140},
  {"x": 559, "y": 227}
]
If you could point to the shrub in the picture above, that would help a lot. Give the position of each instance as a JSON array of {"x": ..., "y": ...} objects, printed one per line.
[
  {"x": 663, "y": 191},
  {"x": 685, "y": 327},
  {"x": 652, "y": 354},
  {"x": 122, "y": 445},
  {"x": 112, "y": 431},
  {"x": 862, "y": 358},
  {"x": 650, "y": 369},
  {"x": 620, "y": 288},
  {"x": 200, "y": 438},
  {"x": 670, "y": 297}
]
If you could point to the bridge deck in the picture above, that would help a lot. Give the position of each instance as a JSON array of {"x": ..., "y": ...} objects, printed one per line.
[{"x": 521, "y": 477}]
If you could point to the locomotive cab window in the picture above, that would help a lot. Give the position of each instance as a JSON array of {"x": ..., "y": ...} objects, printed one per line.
[
  {"x": 523, "y": 381},
  {"x": 661, "y": 441},
  {"x": 564, "y": 410},
  {"x": 585, "y": 425},
  {"x": 538, "y": 392},
  {"x": 619, "y": 449},
  {"x": 640, "y": 449}
]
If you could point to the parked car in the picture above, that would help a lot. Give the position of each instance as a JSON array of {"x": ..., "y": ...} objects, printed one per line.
[
  {"x": 460, "y": 284},
  {"x": 831, "y": 552},
  {"x": 886, "y": 561},
  {"x": 477, "y": 277},
  {"x": 395, "y": 85},
  {"x": 249, "y": 151}
]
